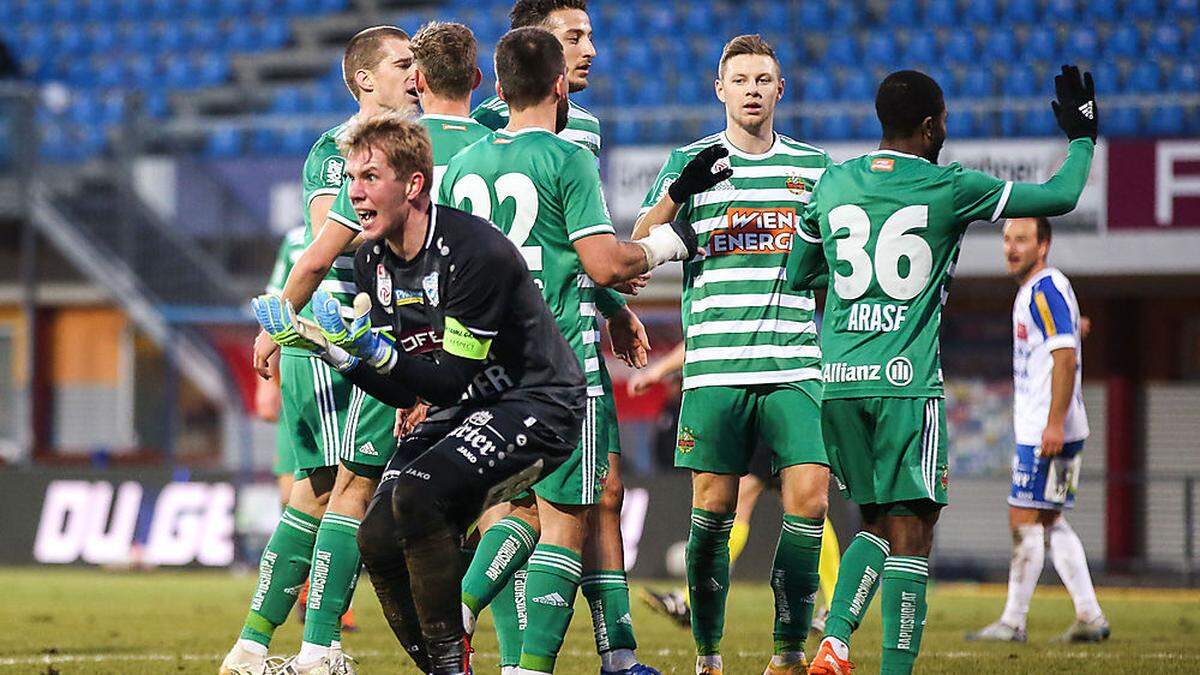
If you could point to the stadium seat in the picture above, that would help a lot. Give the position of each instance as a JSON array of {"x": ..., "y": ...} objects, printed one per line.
[
  {"x": 844, "y": 15},
  {"x": 1061, "y": 11},
  {"x": 1021, "y": 11},
  {"x": 976, "y": 83},
  {"x": 1040, "y": 45},
  {"x": 866, "y": 126},
  {"x": 1144, "y": 78},
  {"x": 204, "y": 35},
  {"x": 155, "y": 104},
  {"x": 943, "y": 77},
  {"x": 834, "y": 128},
  {"x": 901, "y": 14},
  {"x": 1120, "y": 121},
  {"x": 921, "y": 48},
  {"x": 857, "y": 86},
  {"x": 1185, "y": 78},
  {"x": 960, "y": 47},
  {"x": 960, "y": 124},
  {"x": 808, "y": 15},
  {"x": 817, "y": 86},
  {"x": 241, "y": 36},
  {"x": 172, "y": 38},
  {"x": 1001, "y": 47},
  {"x": 698, "y": 17},
  {"x": 1080, "y": 44},
  {"x": 880, "y": 49},
  {"x": 1187, "y": 10},
  {"x": 1101, "y": 10},
  {"x": 980, "y": 12},
  {"x": 841, "y": 51},
  {"x": 1038, "y": 122},
  {"x": 1167, "y": 120},
  {"x": 1124, "y": 42},
  {"x": 940, "y": 14},
  {"x": 223, "y": 142},
  {"x": 1106, "y": 75},
  {"x": 109, "y": 73},
  {"x": 1139, "y": 10},
  {"x": 1020, "y": 81},
  {"x": 275, "y": 33},
  {"x": 1165, "y": 41},
  {"x": 290, "y": 101}
]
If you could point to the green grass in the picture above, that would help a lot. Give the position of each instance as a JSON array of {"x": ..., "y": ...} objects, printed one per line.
[{"x": 69, "y": 621}]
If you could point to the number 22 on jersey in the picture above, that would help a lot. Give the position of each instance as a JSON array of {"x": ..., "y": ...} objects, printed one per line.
[{"x": 517, "y": 187}]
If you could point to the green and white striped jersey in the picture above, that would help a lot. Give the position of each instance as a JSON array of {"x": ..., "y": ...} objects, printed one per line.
[
  {"x": 743, "y": 325},
  {"x": 323, "y": 175},
  {"x": 447, "y": 134},
  {"x": 582, "y": 126},
  {"x": 290, "y": 248},
  {"x": 544, "y": 193}
]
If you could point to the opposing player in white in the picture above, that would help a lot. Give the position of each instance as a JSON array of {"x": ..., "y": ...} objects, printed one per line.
[{"x": 1051, "y": 426}]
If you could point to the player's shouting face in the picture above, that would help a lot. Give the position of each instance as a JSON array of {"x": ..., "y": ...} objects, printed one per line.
[
  {"x": 380, "y": 197},
  {"x": 573, "y": 29},
  {"x": 750, "y": 86}
]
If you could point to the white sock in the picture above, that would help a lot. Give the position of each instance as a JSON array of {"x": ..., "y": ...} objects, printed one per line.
[
  {"x": 1071, "y": 564},
  {"x": 840, "y": 649},
  {"x": 709, "y": 660},
  {"x": 1028, "y": 557},
  {"x": 509, "y": 670},
  {"x": 526, "y": 671},
  {"x": 787, "y": 658},
  {"x": 468, "y": 620},
  {"x": 310, "y": 653},
  {"x": 335, "y": 645},
  {"x": 252, "y": 647},
  {"x": 617, "y": 660}
]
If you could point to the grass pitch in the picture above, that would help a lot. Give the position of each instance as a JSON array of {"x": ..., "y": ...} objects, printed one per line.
[{"x": 68, "y": 621}]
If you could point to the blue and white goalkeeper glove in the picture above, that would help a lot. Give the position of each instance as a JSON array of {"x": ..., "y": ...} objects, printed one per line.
[
  {"x": 279, "y": 320},
  {"x": 356, "y": 337}
]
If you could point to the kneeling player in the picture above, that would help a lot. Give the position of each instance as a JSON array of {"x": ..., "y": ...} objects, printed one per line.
[{"x": 507, "y": 391}]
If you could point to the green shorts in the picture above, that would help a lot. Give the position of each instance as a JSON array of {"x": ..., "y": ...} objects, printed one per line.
[
  {"x": 719, "y": 427},
  {"x": 285, "y": 456},
  {"x": 580, "y": 480},
  {"x": 330, "y": 421},
  {"x": 887, "y": 450}
]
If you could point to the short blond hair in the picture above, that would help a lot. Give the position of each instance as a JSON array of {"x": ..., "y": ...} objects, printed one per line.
[
  {"x": 748, "y": 44},
  {"x": 445, "y": 53},
  {"x": 364, "y": 51},
  {"x": 404, "y": 143}
]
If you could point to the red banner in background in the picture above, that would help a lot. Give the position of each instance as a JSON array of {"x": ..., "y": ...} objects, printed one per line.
[{"x": 1153, "y": 184}]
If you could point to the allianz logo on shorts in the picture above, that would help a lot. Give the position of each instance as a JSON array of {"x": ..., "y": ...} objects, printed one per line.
[{"x": 898, "y": 371}]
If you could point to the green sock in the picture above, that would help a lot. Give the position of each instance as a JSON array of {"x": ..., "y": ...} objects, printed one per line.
[
  {"x": 904, "y": 580},
  {"x": 858, "y": 579},
  {"x": 502, "y": 550},
  {"x": 607, "y": 594},
  {"x": 510, "y": 619},
  {"x": 794, "y": 580},
  {"x": 281, "y": 574},
  {"x": 553, "y": 580},
  {"x": 708, "y": 577},
  {"x": 335, "y": 566}
]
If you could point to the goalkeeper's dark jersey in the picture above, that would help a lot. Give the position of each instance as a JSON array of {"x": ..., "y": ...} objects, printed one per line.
[{"x": 470, "y": 286}]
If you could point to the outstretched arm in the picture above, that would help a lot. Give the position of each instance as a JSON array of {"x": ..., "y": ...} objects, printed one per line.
[{"x": 1060, "y": 193}]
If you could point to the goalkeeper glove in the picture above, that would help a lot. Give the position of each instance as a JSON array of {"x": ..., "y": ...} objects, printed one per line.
[
  {"x": 356, "y": 337},
  {"x": 279, "y": 320},
  {"x": 699, "y": 174},
  {"x": 1075, "y": 108}
]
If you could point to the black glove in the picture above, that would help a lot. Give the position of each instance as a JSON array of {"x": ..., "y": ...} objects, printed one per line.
[
  {"x": 698, "y": 175},
  {"x": 1075, "y": 108},
  {"x": 687, "y": 235}
]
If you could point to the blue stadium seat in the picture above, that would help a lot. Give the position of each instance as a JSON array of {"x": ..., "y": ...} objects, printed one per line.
[
  {"x": 1008, "y": 125},
  {"x": 223, "y": 142},
  {"x": 901, "y": 14},
  {"x": 1105, "y": 74},
  {"x": 290, "y": 101},
  {"x": 1139, "y": 10},
  {"x": 1061, "y": 11},
  {"x": 1167, "y": 120},
  {"x": 842, "y": 51},
  {"x": 866, "y": 126},
  {"x": 960, "y": 124},
  {"x": 275, "y": 33},
  {"x": 1080, "y": 45},
  {"x": 879, "y": 49},
  {"x": 1165, "y": 41},
  {"x": 241, "y": 36},
  {"x": 834, "y": 128},
  {"x": 230, "y": 9},
  {"x": 204, "y": 35},
  {"x": 102, "y": 10},
  {"x": 772, "y": 16},
  {"x": 941, "y": 13},
  {"x": 808, "y": 15},
  {"x": 132, "y": 10},
  {"x": 1039, "y": 122},
  {"x": 623, "y": 131},
  {"x": 980, "y": 12},
  {"x": 698, "y": 17},
  {"x": 1123, "y": 42},
  {"x": 163, "y": 9},
  {"x": 1120, "y": 121},
  {"x": 921, "y": 48},
  {"x": 817, "y": 86},
  {"x": 36, "y": 11},
  {"x": 103, "y": 38},
  {"x": 976, "y": 83},
  {"x": 1186, "y": 10},
  {"x": 1019, "y": 82},
  {"x": 180, "y": 72},
  {"x": 943, "y": 77},
  {"x": 111, "y": 109},
  {"x": 1021, "y": 11},
  {"x": 960, "y": 47},
  {"x": 1040, "y": 45},
  {"x": 1185, "y": 78},
  {"x": 1144, "y": 78},
  {"x": 109, "y": 73},
  {"x": 1000, "y": 47},
  {"x": 843, "y": 15},
  {"x": 857, "y": 86},
  {"x": 67, "y": 11},
  {"x": 72, "y": 41},
  {"x": 155, "y": 104},
  {"x": 1101, "y": 10},
  {"x": 172, "y": 38},
  {"x": 200, "y": 9},
  {"x": 139, "y": 71}
]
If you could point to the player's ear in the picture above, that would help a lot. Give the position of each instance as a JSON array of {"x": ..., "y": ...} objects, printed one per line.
[
  {"x": 560, "y": 86},
  {"x": 416, "y": 185},
  {"x": 500, "y": 92},
  {"x": 476, "y": 78},
  {"x": 419, "y": 81},
  {"x": 779, "y": 93},
  {"x": 720, "y": 89},
  {"x": 365, "y": 79}
]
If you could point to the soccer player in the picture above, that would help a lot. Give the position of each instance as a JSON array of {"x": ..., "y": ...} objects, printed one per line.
[
  {"x": 342, "y": 438},
  {"x": 674, "y": 604},
  {"x": 886, "y": 228},
  {"x": 604, "y": 583},
  {"x": 545, "y": 193},
  {"x": 1051, "y": 426},
  {"x": 506, "y": 391},
  {"x": 751, "y": 371}
]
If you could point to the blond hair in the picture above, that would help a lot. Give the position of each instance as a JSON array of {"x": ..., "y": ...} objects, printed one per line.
[
  {"x": 445, "y": 53},
  {"x": 364, "y": 51},
  {"x": 404, "y": 144},
  {"x": 747, "y": 44}
]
